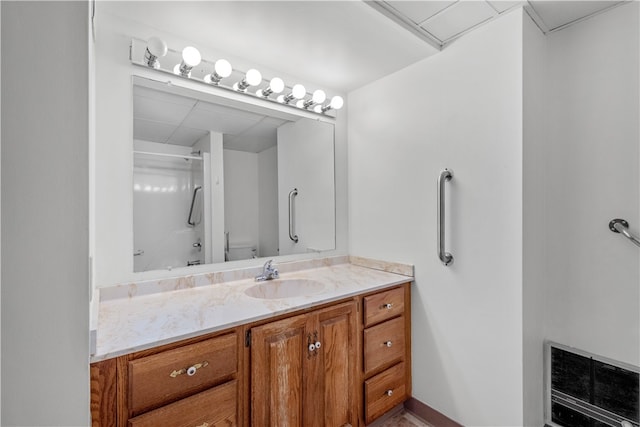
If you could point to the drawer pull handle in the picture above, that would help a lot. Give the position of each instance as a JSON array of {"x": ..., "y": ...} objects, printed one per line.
[
  {"x": 388, "y": 306},
  {"x": 388, "y": 343},
  {"x": 190, "y": 371},
  {"x": 389, "y": 392}
]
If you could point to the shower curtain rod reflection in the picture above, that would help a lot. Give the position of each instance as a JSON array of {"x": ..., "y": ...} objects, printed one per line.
[{"x": 179, "y": 156}]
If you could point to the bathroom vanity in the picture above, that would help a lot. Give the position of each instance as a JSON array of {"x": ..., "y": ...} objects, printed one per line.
[{"x": 340, "y": 355}]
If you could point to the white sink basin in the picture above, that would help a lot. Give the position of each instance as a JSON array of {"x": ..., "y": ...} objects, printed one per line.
[{"x": 284, "y": 288}]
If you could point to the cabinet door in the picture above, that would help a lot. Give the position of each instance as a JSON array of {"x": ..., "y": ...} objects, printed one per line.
[
  {"x": 278, "y": 359},
  {"x": 334, "y": 389}
]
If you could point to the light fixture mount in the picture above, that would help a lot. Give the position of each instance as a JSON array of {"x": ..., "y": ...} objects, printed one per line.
[{"x": 188, "y": 64}]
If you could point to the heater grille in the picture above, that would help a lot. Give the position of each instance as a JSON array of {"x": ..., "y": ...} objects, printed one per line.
[{"x": 585, "y": 390}]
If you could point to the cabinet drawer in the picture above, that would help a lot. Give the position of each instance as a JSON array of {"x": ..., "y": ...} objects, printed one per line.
[
  {"x": 383, "y": 306},
  {"x": 383, "y": 344},
  {"x": 384, "y": 391},
  {"x": 162, "y": 378},
  {"x": 211, "y": 408}
]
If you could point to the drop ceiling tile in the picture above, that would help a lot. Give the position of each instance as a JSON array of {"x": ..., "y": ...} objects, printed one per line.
[
  {"x": 162, "y": 96},
  {"x": 555, "y": 14},
  {"x": 218, "y": 121},
  {"x": 249, "y": 144},
  {"x": 186, "y": 136},
  {"x": 152, "y": 131},
  {"x": 504, "y": 5},
  {"x": 419, "y": 11},
  {"x": 458, "y": 18},
  {"x": 227, "y": 111},
  {"x": 159, "y": 110}
]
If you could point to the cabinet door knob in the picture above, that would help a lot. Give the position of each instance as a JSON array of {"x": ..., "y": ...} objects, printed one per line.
[
  {"x": 318, "y": 344},
  {"x": 389, "y": 392},
  {"x": 388, "y": 306},
  {"x": 388, "y": 343},
  {"x": 312, "y": 347}
]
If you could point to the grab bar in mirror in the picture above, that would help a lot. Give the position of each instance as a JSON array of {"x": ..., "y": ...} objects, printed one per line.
[
  {"x": 190, "y": 220},
  {"x": 621, "y": 226},
  {"x": 445, "y": 257},
  {"x": 292, "y": 234}
]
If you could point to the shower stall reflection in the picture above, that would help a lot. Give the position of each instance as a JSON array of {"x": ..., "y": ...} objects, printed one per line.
[{"x": 167, "y": 195}]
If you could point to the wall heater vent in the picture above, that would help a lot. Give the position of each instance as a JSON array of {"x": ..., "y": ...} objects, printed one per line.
[{"x": 586, "y": 390}]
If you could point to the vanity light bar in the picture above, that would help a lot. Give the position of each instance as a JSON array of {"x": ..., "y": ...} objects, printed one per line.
[{"x": 189, "y": 64}]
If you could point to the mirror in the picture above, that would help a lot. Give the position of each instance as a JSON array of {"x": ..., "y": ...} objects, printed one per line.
[{"x": 215, "y": 182}]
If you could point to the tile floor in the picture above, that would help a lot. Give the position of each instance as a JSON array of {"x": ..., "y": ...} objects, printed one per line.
[{"x": 404, "y": 419}]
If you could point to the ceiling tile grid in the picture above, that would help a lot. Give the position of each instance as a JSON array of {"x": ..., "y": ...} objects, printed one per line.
[
  {"x": 441, "y": 22},
  {"x": 458, "y": 18}
]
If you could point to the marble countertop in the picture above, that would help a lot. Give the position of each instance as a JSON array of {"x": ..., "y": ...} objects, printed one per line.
[{"x": 136, "y": 322}]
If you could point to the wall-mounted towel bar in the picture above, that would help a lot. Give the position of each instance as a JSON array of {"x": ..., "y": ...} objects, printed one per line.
[
  {"x": 621, "y": 226},
  {"x": 445, "y": 257}
]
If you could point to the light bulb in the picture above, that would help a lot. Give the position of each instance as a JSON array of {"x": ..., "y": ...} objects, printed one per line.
[
  {"x": 156, "y": 48},
  {"x": 300, "y": 103},
  {"x": 276, "y": 84},
  {"x": 298, "y": 91},
  {"x": 253, "y": 77},
  {"x": 190, "y": 56},
  {"x": 319, "y": 96},
  {"x": 223, "y": 68},
  {"x": 337, "y": 102}
]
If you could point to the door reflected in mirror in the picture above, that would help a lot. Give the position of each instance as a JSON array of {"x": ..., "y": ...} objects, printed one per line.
[{"x": 215, "y": 182}]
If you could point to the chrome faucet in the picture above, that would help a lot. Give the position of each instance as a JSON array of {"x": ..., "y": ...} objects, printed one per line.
[{"x": 269, "y": 272}]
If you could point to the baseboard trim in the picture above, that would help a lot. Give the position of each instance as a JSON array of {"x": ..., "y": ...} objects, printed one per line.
[{"x": 428, "y": 414}]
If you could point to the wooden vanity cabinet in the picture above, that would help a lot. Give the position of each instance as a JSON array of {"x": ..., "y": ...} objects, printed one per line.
[
  {"x": 303, "y": 369},
  {"x": 386, "y": 350},
  {"x": 196, "y": 382},
  {"x": 342, "y": 364}
]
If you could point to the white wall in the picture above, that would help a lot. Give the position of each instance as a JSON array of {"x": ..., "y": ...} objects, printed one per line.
[
  {"x": 0, "y": 218},
  {"x": 593, "y": 171},
  {"x": 113, "y": 200},
  {"x": 268, "y": 200},
  {"x": 460, "y": 109},
  {"x": 45, "y": 218},
  {"x": 241, "y": 210},
  {"x": 535, "y": 148}
]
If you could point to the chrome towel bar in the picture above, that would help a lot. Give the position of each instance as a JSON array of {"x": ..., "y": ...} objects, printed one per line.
[
  {"x": 621, "y": 226},
  {"x": 445, "y": 257}
]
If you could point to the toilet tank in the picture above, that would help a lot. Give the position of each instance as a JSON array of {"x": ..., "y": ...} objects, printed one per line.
[{"x": 236, "y": 253}]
